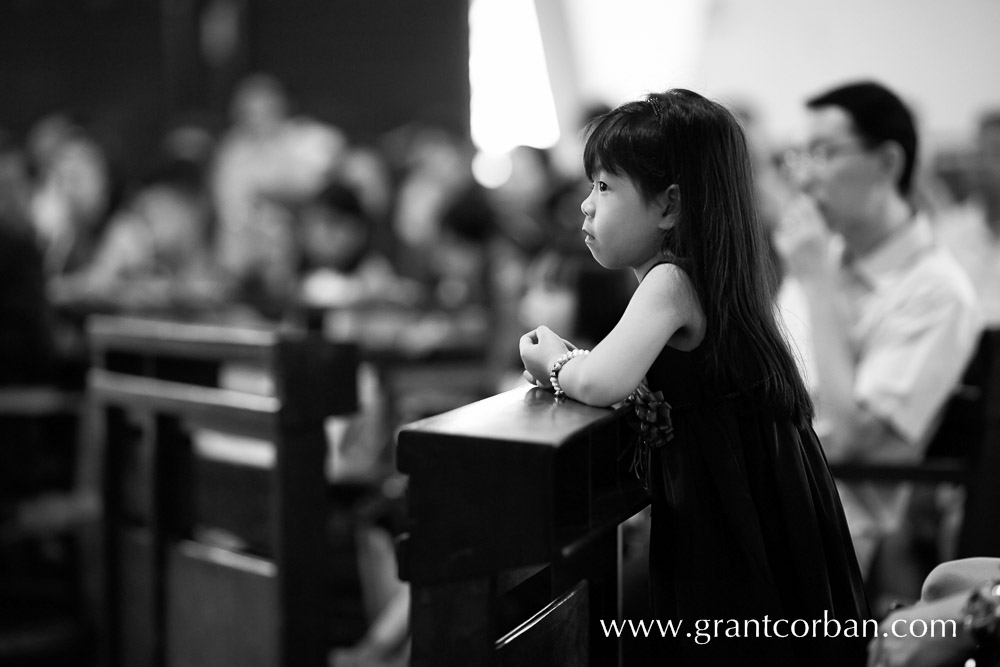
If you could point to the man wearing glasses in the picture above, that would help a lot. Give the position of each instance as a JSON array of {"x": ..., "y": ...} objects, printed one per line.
[{"x": 892, "y": 318}]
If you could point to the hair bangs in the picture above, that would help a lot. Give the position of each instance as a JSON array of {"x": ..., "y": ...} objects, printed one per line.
[{"x": 610, "y": 139}]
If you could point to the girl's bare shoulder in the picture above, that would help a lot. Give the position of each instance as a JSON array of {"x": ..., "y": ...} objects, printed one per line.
[
  {"x": 668, "y": 280},
  {"x": 668, "y": 293}
]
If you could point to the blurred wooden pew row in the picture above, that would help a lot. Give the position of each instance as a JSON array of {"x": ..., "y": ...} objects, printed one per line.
[
  {"x": 514, "y": 501},
  {"x": 513, "y": 551},
  {"x": 213, "y": 548},
  {"x": 40, "y": 516}
]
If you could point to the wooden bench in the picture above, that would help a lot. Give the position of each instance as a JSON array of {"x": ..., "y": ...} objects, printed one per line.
[
  {"x": 214, "y": 545},
  {"x": 513, "y": 551},
  {"x": 965, "y": 450},
  {"x": 425, "y": 362},
  {"x": 41, "y": 615}
]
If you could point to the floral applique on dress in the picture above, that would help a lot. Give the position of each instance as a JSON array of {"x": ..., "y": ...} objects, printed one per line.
[{"x": 650, "y": 418}]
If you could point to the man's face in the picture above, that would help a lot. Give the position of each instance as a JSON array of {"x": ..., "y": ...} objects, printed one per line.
[{"x": 845, "y": 176}]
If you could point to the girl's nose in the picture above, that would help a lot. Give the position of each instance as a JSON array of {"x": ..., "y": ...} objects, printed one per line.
[{"x": 587, "y": 207}]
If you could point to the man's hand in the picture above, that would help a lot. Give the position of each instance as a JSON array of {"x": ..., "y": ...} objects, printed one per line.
[{"x": 803, "y": 238}]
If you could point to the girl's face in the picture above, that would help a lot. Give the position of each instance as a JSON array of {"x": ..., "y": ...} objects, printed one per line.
[{"x": 622, "y": 229}]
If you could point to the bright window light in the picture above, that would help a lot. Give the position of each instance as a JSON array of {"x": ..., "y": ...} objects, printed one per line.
[
  {"x": 492, "y": 170},
  {"x": 512, "y": 101}
]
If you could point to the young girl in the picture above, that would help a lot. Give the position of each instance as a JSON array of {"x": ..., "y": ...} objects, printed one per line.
[{"x": 747, "y": 528}]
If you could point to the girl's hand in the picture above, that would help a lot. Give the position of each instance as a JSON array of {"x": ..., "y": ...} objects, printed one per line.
[{"x": 539, "y": 348}]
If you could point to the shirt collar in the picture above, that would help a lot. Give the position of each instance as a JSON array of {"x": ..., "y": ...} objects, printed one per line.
[{"x": 895, "y": 253}]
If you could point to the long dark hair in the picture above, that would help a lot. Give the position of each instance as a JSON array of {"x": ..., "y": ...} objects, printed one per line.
[{"x": 679, "y": 137}]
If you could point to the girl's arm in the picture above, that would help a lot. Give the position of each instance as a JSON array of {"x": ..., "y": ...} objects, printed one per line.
[{"x": 663, "y": 309}]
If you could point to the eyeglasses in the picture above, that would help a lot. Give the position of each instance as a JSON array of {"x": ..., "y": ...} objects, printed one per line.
[{"x": 800, "y": 163}]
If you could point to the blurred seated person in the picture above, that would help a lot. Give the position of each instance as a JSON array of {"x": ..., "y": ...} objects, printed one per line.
[
  {"x": 451, "y": 306},
  {"x": 46, "y": 135},
  {"x": 75, "y": 196},
  {"x": 522, "y": 201},
  {"x": 443, "y": 236},
  {"x": 468, "y": 297},
  {"x": 265, "y": 160},
  {"x": 26, "y": 344},
  {"x": 77, "y": 191},
  {"x": 971, "y": 230},
  {"x": 892, "y": 318},
  {"x": 358, "y": 288},
  {"x": 386, "y": 643},
  {"x": 156, "y": 255},
  {"x": 956, "y": 622},
  {"x": 38, "y": 564},
  {"x": 339, "y": 264},
  {"x": 436, "y": 176},
  {"x": 366, "y": 171}
]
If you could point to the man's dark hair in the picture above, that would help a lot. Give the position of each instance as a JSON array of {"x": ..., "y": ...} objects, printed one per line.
[
  {"x": 989, "y": 119},
  {"x": 878, "y": 116}
]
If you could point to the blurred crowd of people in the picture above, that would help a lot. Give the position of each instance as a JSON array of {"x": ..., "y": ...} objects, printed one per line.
[{"x": 276, "y": 214}]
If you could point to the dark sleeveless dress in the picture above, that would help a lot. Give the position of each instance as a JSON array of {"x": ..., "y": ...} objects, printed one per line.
[{"x": 747, "y": 530}]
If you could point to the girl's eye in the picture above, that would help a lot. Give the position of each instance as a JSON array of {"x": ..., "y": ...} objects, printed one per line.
[{"x": 602, "y": 186}]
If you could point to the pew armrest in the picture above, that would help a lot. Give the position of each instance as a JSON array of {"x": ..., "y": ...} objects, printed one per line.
[
  {"x": 39, "y": 401},
  {"x": 953, "y": 470}
]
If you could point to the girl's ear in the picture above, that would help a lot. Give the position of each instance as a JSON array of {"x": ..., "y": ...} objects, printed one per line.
[{"x": 669, "y": 201}]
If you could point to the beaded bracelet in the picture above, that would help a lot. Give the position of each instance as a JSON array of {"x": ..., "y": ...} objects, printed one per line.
[
  {"x": 982, "y": 615},
  {"x": 557, "y": 366}
]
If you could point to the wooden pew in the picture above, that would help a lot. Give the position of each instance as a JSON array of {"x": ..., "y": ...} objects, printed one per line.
[
  {"x": 41, "y": 618},
  {"x": 965, "y": 450},
  {"x": 214, "y": 545},
  {"x": 513, "y": 552},
  {"x": 425, "y": 362},
  {"x": 980, "y": 536}
]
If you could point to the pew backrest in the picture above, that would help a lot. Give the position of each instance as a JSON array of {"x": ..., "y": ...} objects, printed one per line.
[
  {"x": 213, "y": 548},
  {"x": 964, "y": 450},
  {"x": 513, "y": 549}
]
